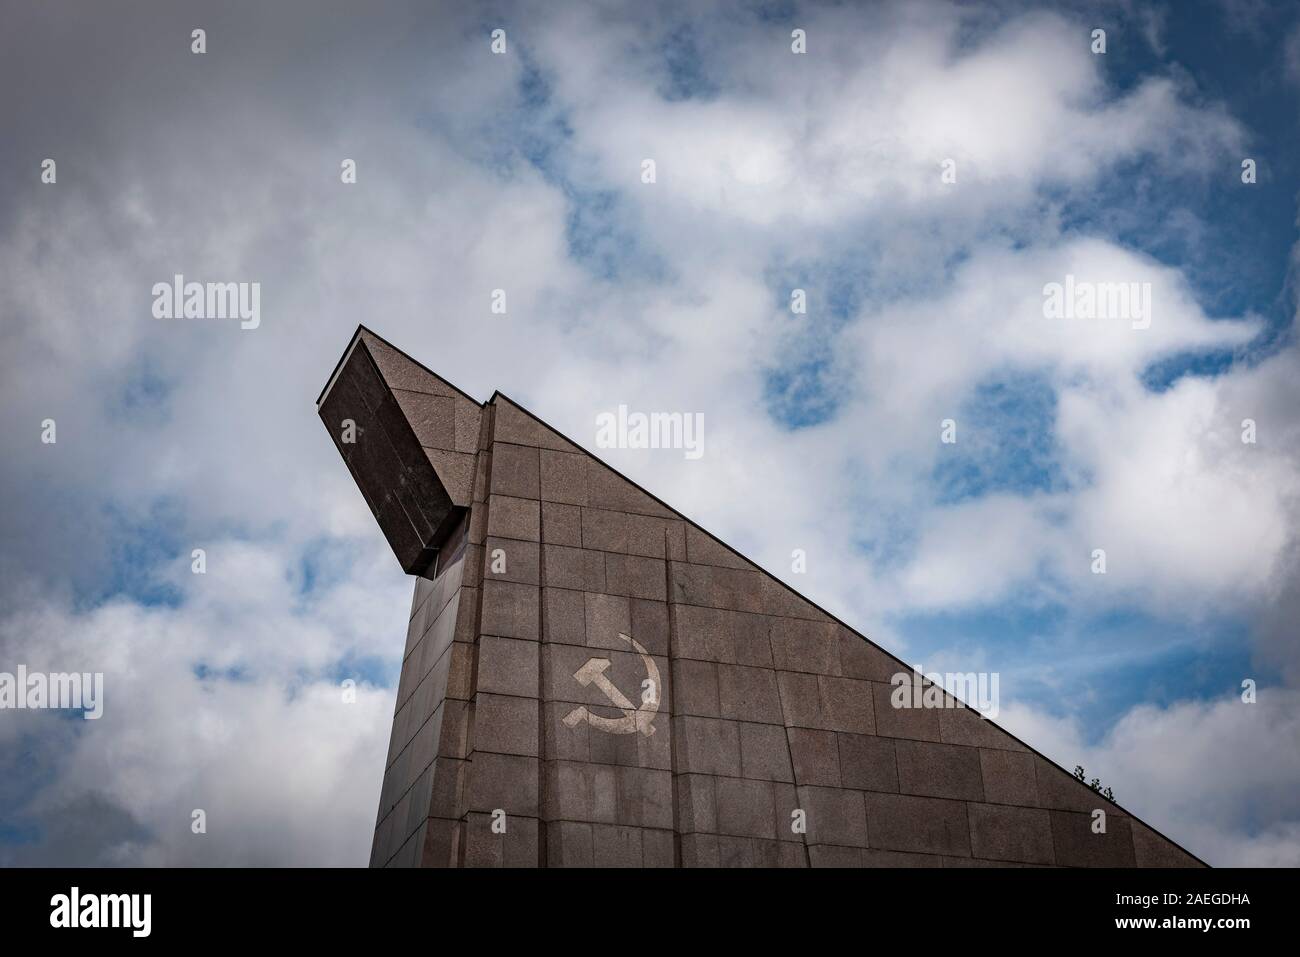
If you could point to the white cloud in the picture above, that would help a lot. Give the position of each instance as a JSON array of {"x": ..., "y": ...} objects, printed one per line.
[
  {"x": 273, "y": 755},
  {"x": 862, "y": 124}
]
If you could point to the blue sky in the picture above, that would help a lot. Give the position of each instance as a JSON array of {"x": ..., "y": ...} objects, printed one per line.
[{"x": 774, "y": 172}]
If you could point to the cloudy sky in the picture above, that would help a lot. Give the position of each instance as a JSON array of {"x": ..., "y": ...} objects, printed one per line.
[{"x": 774, "y": 171}]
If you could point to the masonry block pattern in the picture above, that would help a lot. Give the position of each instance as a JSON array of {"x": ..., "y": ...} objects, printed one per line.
[{"x": 768, "y": 736}]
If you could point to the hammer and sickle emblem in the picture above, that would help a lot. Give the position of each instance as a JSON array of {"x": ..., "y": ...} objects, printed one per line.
[{"x": 634, "y": 718}]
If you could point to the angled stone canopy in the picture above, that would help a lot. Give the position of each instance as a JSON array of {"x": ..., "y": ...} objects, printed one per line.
[
  {"x": 620, "y": 688},
  {"x": 409, "y": 440}
]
